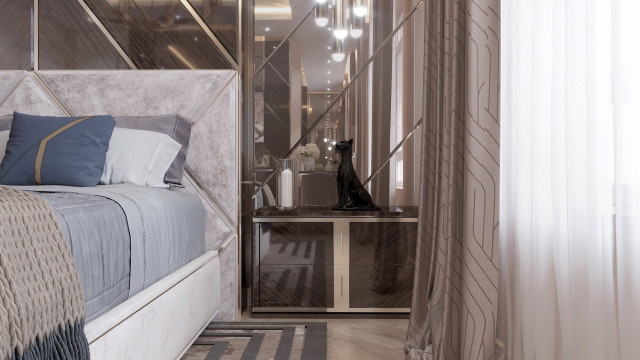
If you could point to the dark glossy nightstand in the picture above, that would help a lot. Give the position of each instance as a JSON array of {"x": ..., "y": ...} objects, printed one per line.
[{"x": 314, "y": 259}]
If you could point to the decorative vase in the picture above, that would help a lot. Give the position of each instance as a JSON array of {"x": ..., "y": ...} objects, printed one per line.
[{"x": 308, "y": 164}]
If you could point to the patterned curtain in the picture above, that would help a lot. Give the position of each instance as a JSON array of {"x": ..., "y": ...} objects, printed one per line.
[{"x": 455, "y": 293}]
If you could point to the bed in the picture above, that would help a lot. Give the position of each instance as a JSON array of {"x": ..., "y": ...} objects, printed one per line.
[{"x": 181, "y": 243}]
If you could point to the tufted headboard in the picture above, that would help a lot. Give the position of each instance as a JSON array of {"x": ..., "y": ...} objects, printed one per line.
[{"x": 208, "y": 97}]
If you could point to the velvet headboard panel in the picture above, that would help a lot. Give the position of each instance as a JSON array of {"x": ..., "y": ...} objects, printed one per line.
[{"x": 209, "y": 98}]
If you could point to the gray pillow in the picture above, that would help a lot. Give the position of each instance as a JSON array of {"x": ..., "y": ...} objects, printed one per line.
[{"x": 174, "y": 125}]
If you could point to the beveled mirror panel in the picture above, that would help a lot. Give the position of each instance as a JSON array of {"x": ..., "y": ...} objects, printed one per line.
[
  {"x": 16, "y": 43},
  {"x": 158, "y": 34},
  {"x": 221, "y": 16},
  {"x": 69, "y": 39},
  {"x": 324, "y": 74}
]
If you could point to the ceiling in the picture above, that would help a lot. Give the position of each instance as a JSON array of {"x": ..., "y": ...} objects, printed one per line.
[{"x": 320, "y": 70}]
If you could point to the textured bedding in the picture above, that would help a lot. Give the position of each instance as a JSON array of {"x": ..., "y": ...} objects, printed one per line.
[
  {"x": 96, "y": 230},
  {"x": 125, "y": 237},
  {"x": 41, "y": 302}
]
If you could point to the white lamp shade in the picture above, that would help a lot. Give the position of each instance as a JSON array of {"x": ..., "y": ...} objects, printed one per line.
[
  {"x": 340, "y": 33},
  {"x": 337, "y": 50},
  {"x": 338, "y": 57},
  {"x": 356, "y": 26},
  {"x": 340, "y": 30},
  {"x": 322, "y": 14},
  {"x": 355, "y": 33},
  {"x": 360, "y": 8},
  {"x": 360, "y": 11},
  {"x": 322, "y": 22}
]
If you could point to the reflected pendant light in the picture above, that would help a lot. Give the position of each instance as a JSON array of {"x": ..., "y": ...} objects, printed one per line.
[
  {"x": 322, "y": 14},
  {"x": 360, "y": 8},
  {"x": 337, "y": 50},
  {"x": 356, "y": 26},
  {"x": 340, "y": 30}
]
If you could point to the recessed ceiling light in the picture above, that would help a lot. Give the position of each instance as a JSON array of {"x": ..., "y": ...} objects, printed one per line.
[
  {"x": 321, "y": 1},
  {"x": 328, "y": 89},
  {"x": 328, "y": 72},
  {"x": 328, "y": 61},
  {"x": 328, "y": 81},
  {"x": 267, "y": 29}
]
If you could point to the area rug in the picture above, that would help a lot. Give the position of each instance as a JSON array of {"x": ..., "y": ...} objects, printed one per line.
[{"x": 260, "y": 341}]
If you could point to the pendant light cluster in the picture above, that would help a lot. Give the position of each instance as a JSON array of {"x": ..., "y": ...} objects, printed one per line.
[{"x": 347, "y": 18}]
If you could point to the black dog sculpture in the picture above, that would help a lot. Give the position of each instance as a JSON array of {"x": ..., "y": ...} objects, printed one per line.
[{"x": 351, "y": 194}]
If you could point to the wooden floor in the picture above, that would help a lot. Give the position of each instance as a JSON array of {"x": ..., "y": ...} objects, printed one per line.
[{"x": 358, "y": 339}]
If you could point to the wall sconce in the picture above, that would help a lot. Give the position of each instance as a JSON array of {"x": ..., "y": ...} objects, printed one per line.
[
  {"x": 337, "y": 50},
  {"x": 339, "y": 20},
  {"x": 356, "y": 24},
  {"x": 322, "y": 14},
  {"x": 360, "y": 8}
]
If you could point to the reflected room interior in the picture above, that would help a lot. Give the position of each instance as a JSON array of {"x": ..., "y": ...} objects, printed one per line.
[{"x": 325, "y": 72}]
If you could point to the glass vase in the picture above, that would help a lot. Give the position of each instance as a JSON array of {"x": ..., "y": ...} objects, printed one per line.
[{"x": 287, "y": 171}]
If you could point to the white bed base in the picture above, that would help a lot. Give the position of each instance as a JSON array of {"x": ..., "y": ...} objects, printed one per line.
[{"x": 163, "y": 320}]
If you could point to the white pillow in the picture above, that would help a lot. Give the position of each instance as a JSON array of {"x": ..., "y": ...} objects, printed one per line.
[
  {"x": 138, "y": 157},
  {"x": 4, "y": 137}
]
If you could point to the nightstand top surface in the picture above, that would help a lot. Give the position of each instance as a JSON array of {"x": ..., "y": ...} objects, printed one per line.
[{"x": 328, "y": 212}]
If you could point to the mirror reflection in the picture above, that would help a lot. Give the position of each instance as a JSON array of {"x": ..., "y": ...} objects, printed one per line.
[{"x": 333, "y": 70}]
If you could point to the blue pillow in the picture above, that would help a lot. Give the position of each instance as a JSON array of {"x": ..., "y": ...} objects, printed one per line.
[{"x": 47, "y": 150}]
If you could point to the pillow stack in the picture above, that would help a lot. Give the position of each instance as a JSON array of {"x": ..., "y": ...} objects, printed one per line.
[{"x": 85, "y": 151}]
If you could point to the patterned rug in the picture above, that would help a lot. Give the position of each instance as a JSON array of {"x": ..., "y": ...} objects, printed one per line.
[{"x": 260, "y": 341}]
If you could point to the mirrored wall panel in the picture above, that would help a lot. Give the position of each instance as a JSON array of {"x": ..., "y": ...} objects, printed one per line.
[
  {"x": 339, "y": 70},
  {"x": 16, "y": 43},
  {"x": 70, "y": 39},
  {"x": 221, "y": 16},
  {"x": 158, "y": 34},
  {"x": 119, "y": 34}
]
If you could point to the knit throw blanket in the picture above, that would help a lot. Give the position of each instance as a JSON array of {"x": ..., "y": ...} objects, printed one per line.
[{"x": 41, "y": 300}]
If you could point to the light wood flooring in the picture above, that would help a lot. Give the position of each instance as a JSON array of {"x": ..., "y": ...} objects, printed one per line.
[{"x": 357, "y": 339}]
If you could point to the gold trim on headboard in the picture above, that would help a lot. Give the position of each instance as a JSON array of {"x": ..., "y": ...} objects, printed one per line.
[{"x": 43, "y": 146}]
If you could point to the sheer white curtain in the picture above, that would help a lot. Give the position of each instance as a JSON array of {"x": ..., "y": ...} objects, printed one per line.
[{"x": 570, "y": 180}]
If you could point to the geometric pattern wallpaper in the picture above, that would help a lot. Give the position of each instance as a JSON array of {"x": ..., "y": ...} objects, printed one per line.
[
  {"x": 209, "y": 98},
  {"x": 456, "y": 276}
]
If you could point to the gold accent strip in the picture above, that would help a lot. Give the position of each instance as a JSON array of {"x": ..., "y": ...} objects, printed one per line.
[{"x": 43, "y": 146}]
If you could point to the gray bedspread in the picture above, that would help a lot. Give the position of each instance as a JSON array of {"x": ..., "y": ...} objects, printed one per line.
[{"x": 125, "y": 237}]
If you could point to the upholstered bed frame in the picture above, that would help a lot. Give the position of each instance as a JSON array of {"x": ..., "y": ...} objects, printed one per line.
[{"x": 161, "y": 321}]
